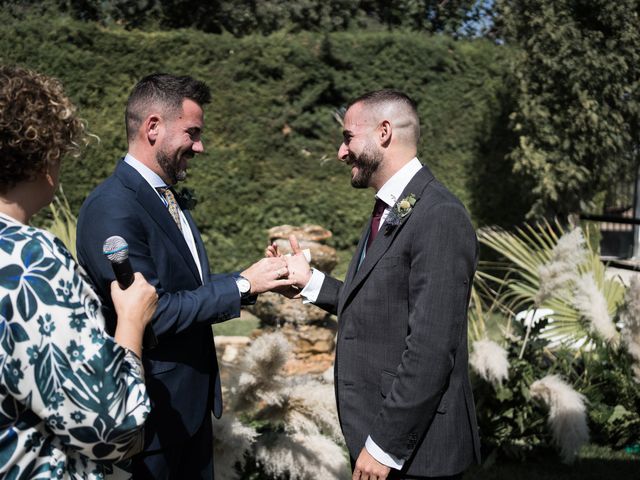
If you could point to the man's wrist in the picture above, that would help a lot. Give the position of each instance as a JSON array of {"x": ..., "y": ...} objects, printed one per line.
[
  {"x": 244, "y": 289},
  {"x": 381, "y": 456},
  {"x": 311, "y": 290}
]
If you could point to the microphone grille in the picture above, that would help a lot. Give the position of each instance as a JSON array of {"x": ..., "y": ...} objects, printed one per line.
[{"x": 116, "y": 249}]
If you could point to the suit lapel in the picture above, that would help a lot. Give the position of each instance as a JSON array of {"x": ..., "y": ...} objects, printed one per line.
[
  {"x": 149, "y": 200},
  {"x": 383, "y": 240}
]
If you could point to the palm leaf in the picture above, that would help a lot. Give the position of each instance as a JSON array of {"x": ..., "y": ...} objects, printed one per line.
[
  {"x": 64, "y": 221},
  {"x": 526, "y": 250}
]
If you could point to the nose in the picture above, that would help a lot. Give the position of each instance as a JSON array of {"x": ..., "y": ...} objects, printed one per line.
[
  {"x": 343, "y": 151},
  {"x": 198, "y": 147}
]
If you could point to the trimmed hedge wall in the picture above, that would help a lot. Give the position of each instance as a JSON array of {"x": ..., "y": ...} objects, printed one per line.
[{"x": 271, "y": 137}]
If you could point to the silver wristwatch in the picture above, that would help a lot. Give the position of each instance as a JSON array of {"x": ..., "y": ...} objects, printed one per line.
[{"x": 244, "y": 286}]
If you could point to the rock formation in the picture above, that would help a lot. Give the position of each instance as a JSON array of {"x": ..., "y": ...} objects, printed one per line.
[{"x": 309, "y": 329}]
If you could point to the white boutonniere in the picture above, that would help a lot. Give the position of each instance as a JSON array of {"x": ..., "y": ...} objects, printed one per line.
[{"x": 400, "y": 210}]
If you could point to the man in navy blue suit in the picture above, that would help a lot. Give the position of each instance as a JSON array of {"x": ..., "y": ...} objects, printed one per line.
[{"x": 164, "y": 121}]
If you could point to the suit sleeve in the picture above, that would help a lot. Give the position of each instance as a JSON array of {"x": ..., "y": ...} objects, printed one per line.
[
  {"x": 104, "y": 216},
  {"x": 329, "y": 295},
  {"x": 443, "y": 260}
]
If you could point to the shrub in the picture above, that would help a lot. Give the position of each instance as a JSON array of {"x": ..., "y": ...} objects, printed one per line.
[{"x": 271, "y": 136}]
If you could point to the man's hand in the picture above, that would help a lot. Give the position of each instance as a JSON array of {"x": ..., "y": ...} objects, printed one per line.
[
  {"x": 368, "y": 468},
  {"x": 268, "y": 274},
  {"x": 299, "y": 270}
]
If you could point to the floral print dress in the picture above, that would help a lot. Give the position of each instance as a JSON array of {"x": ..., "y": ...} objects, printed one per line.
[{"x": 72, "y": 401}]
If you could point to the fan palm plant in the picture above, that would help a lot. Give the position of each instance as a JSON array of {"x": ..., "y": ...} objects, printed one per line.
[{"x": 542, "y": 272}]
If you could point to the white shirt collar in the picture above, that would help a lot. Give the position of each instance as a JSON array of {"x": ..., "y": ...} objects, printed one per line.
[
  {"x": 393, "y": 188},
  {"x": 149, "y": 175}
]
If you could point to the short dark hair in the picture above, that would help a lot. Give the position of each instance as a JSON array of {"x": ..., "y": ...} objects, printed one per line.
[
  {"x": 38, "y": 125},
  {"x": 378, "y": 98},
  {"x": 169, "y": 91}
]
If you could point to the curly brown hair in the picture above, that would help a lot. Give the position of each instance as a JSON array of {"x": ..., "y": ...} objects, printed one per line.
[{"x": 38, "y": 125}]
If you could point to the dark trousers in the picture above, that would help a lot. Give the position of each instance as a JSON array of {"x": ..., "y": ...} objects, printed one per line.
[
  {"x": 397, "y": 475},
  {"x": 192, "y": 459}
]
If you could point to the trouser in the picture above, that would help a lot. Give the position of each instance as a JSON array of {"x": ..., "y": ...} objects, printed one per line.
[
  {"x": 397, "y": 475},
  {"x": 191, "y": 459}
]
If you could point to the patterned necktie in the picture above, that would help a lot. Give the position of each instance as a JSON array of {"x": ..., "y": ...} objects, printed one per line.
[
  {"x": 376, "y": 215},
  {"x": 172, "y": 205}
]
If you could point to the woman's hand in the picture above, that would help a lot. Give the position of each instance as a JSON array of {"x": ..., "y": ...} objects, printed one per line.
[{"x": 134, "y": 307}]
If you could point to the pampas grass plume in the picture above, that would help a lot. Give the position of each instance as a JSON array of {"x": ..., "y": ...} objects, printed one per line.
[
  {"x": 302, "y": 457},
  {"x": 231, "y": 441},
  {"x": 490, "y": 361},
  {"x": 630, "y": 317},
  {"x": 312, "y": 410},
  {"x": 567, "y": 414},
  {"x": 562, "y": 267},
  {"x": 592, "y": 305},
  {"x": 260, "y": 378}
]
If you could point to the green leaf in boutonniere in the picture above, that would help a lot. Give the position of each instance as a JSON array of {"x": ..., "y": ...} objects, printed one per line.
[
  {"x": 400, "y": 210},
  {"x": 187, "y": 198}
]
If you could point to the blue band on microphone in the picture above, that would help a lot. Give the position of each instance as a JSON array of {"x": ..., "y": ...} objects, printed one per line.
[{"x": 119, "y": 249}]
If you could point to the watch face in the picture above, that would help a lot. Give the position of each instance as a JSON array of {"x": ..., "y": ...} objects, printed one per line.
[{"x": 244, "y": 285}]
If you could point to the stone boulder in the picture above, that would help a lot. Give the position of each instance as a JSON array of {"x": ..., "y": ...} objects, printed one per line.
[
  {"x": 310, "y": 330},
  {"x": 275, "y": 310},
  {"x": 312, "y": 347}
]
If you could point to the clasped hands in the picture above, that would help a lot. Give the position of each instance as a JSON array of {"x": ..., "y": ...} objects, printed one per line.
[{"x": 284, "y": 274}]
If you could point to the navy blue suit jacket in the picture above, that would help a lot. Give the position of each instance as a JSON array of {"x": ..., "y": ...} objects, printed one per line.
[{"x": 181, "y": 371}]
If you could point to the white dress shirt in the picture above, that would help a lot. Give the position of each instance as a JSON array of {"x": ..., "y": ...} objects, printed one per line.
[
  {"x": 389, "y": 193},
  {"x": 153, "y": 179}
]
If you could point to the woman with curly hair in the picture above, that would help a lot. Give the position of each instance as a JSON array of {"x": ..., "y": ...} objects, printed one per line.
[{"x": 72, "y": 398}]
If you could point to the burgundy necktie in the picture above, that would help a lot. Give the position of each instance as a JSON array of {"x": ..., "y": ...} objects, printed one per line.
[{"x": 376, "y": 215}]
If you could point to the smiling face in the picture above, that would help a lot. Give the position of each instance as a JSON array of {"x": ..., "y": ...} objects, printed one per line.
[
  {"x": 359, "y": 149},
  {"x": 180, "y": 142}
]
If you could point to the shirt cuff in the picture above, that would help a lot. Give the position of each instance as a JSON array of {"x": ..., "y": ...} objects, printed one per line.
[
  {"x": 381, "y": 456},
  {"x": 312, "y": 289},
  {"x": 237, "y": 286}
]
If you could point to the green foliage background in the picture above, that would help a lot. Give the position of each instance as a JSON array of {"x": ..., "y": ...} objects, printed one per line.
[
  {"x": 271, "y": 136},
  {"x": 246, "y": 17},
  {"x": 576, "y": 89}
]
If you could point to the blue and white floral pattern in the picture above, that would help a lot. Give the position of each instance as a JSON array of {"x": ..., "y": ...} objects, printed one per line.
[{"x": 72, "y": 401}]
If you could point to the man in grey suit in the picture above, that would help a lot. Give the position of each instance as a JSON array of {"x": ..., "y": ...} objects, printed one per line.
[{"x": 401, "y": 370}]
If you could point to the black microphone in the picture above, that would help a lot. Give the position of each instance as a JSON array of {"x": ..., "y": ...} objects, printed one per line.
[{"x": 116, "y": 249}]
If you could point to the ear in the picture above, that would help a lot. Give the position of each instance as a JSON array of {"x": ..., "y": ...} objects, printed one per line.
[
  {"x": 384, "y": 133},
  {"x": 48, "y": 176},
  {"x": 152, "y": 126}
]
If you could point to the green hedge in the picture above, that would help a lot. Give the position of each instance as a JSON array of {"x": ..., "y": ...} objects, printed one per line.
[{"x": 271, "y": 136}]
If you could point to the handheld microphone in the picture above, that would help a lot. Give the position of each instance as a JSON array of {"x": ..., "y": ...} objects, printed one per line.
[{"x": 116, "y": 250}]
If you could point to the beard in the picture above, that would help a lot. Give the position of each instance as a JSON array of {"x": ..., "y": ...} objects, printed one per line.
[
  {"x": 367, "y": 163},
  {"x": 170, "y": 165}
]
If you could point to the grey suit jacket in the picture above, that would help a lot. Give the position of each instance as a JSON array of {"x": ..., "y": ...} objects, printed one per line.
[{"x": 401, "y": 368}]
